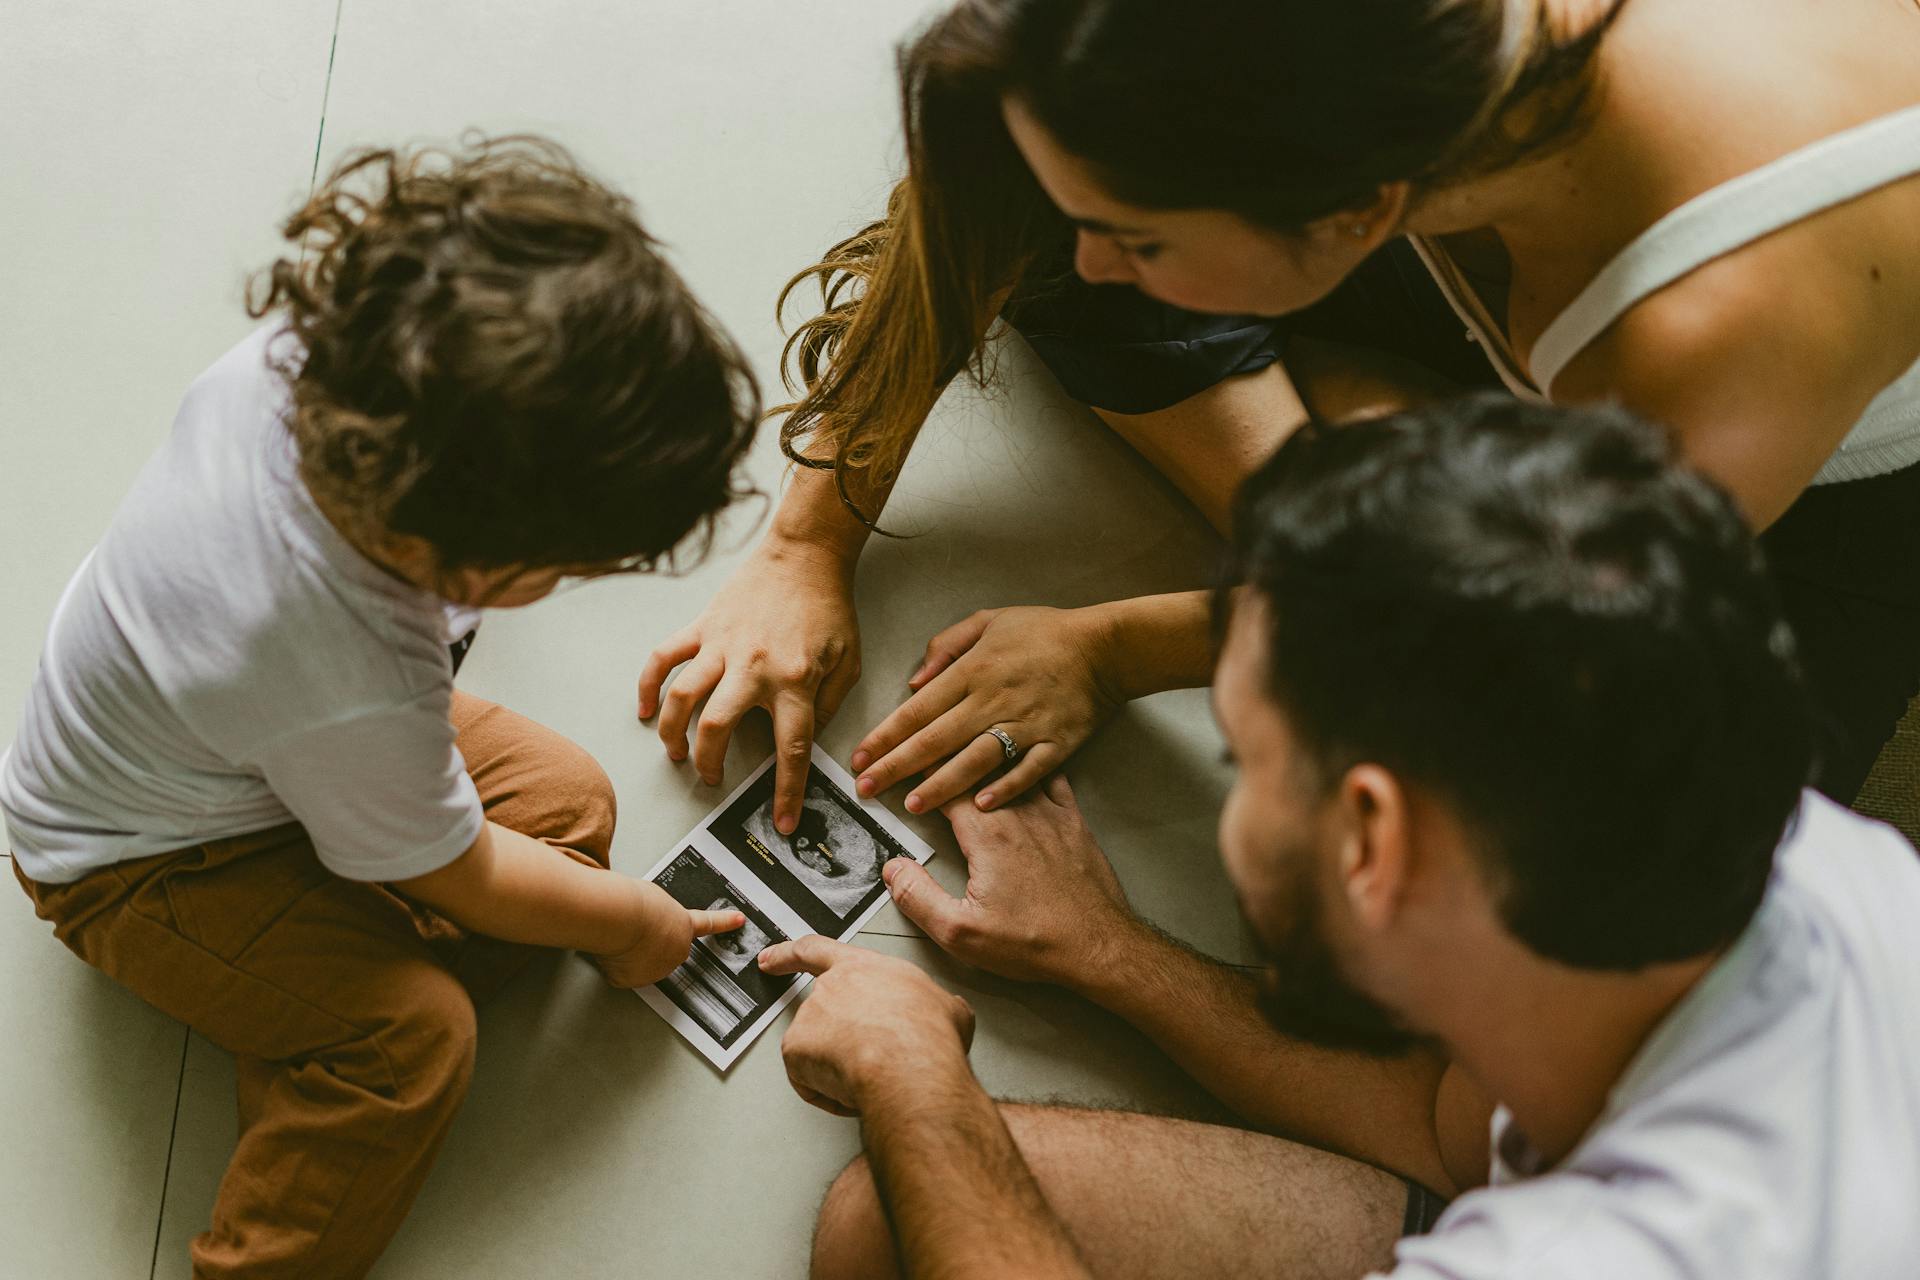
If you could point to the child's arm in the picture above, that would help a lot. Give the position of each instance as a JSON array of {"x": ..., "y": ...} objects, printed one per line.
[{"x": 510, "y": 886}]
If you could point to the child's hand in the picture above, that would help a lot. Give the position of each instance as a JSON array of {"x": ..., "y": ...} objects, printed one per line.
[{"x": 666, "y": 931}]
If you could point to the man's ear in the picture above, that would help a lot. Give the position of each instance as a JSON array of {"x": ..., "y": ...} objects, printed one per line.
[
  {"x": 1376, "y": 845},
  {"x": 1370, "y": 225}
]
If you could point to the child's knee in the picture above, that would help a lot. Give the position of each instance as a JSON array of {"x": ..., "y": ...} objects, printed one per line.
[
  {"x": 567, "y": 798},
  {"x": 591, "y": 803},
  {"x": 852, "y": 1238},
  {"x": 429, "y": 1041}
]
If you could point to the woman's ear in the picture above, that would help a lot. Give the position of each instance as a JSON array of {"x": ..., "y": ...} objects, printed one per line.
[{"x": 1367, "y": 227}]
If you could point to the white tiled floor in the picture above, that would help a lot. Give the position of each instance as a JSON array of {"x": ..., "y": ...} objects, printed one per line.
[{"x": 147, "y": 151}]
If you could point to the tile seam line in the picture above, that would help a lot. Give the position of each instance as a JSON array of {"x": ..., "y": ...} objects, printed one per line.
[
  {"x": 326, "y": 94},
  {"x": 166, "y": 1173},
  {"x": 921, "y": 937}
]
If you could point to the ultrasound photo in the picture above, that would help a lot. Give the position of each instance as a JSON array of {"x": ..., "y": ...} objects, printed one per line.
[
  {"x": 828, "y": 870},
  {"x": 719, "y": 986},
  {"x": 824, "y": 878}
]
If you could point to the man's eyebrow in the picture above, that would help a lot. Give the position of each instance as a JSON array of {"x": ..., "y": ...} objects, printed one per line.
[{"x": 1100, "y": 228}]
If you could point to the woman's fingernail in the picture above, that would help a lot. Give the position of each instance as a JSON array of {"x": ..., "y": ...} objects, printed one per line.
[
  {"x": 866, "y": 786},
  {"x": 785, "y": 823},
  {"x": 913, "y": 804},
  {"x": 861, "y": 760},
  {"x": 984, "y": 800},
  {"x": 646, "y": 711}
]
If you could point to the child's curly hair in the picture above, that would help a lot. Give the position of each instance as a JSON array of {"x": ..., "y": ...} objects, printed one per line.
[{"x": 495, "y": 359}]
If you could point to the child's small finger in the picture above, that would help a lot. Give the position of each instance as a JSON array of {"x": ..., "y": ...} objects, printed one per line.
[{"x": 706, "y": 922}]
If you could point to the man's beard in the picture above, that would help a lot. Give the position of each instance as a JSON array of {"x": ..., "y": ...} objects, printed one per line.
[{"x": 1303, "y": 994}]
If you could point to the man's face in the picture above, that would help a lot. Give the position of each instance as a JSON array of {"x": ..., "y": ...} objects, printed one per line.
[{"x": 1279, "y": 835}]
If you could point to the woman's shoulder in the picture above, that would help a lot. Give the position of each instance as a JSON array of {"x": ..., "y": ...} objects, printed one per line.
[{"x": 1761, "y": 362}]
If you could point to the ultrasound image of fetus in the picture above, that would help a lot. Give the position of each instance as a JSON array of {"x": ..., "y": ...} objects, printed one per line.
[
  {"x": 736, "y": 950},
  {"x": 809, "y": 844}
]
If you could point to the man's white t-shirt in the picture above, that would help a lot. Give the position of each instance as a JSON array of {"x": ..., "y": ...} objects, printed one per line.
[
  {"x": 225, "y": 662},
  {"x": 1770, "y": 1128}
]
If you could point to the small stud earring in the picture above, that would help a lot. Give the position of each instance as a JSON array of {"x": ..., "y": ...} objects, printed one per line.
[{"x": 1360, "y": 230}]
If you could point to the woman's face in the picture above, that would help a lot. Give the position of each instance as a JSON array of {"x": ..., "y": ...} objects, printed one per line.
[{"x": 1200, "y": 259}]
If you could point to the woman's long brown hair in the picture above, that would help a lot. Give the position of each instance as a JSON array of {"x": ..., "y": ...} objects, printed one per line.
[{"x": 1284, "y": 111}]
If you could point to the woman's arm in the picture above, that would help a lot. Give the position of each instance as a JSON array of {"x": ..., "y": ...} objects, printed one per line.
[
  {"x": 781, "y": 634},
  {"x": 1048, "y": 676},
  {"x": 1207, "y": 444},
  {"x": 812, "y": 515}
]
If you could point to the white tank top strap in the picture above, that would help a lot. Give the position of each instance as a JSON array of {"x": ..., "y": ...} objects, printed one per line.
[{"x": 1777, "y": 195}]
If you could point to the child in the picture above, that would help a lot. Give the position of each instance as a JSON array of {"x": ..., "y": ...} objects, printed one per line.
[{"x": 244, "y": 785}]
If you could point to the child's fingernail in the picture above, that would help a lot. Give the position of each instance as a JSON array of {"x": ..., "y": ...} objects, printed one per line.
[
  {"x": 861, "y": 760},
  {"x": 913, "y": 804},
  {"x": 984, "y": 801}
]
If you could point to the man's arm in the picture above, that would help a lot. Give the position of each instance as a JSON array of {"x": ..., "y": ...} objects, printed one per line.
[
  {"x": 1205, "y": 1015},
  {"x": 1043, "y": 905},
  {"x": 960, "y": 1196},
  {"x": 879, "y": 1039}
]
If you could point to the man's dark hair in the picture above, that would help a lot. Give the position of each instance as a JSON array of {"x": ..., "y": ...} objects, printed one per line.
[
  {"x": 495, "y": 358},
  {"x": 1544, "y": 617}
]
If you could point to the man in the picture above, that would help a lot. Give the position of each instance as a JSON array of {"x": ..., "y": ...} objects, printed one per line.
[{"x": 1520, "y": 823}]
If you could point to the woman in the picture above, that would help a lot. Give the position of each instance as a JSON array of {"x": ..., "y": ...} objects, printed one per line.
[{"x": 1702, "y": 208}]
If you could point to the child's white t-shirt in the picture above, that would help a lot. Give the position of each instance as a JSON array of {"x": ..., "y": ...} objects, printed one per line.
[
  {"x": 1770, "y": 1128},
  {"x": 225, "y": 661}
]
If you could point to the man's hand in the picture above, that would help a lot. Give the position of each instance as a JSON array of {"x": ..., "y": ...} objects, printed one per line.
[
  {"x": 869, "y": 1020},
  {"x": 1042, "y": 902}
]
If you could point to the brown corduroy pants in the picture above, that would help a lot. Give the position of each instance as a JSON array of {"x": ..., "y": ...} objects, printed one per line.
[{"x": 348, "y": 1009}]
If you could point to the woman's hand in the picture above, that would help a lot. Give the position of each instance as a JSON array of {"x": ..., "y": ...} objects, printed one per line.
[
  {"x": 1037, "y": 674},
  {"x": 781, "y": 634}
]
